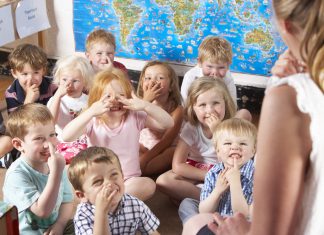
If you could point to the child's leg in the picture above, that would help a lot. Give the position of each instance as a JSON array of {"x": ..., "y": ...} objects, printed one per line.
[
  {"x": 177, "y": 187},
  {"x": 141, "y": 187},
  {"x": 195, "y": 223},
  {"x": 244, "y": 114},
  {"x": 159, "y": 164},
  {"x": 188, "y": 208}
]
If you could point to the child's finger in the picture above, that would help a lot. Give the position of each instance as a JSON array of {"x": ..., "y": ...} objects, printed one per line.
[
  {"x": 235, "y": 163},
  {"x": 52, "y": 149}
]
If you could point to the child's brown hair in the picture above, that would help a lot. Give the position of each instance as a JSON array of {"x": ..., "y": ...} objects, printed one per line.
[{"x": 100, "y": 36}]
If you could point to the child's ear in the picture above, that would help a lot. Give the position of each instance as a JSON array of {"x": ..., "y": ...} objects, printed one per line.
[
  {"x": 81, "y": 196},
  {"x": 13, "y": 73},
  {"x": 87, "y": 54},
  {"x": 199, "y": 62},
  {"x": 16, "y": 142}
]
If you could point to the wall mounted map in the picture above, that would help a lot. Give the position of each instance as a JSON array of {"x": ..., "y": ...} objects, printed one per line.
[{"x": 171, "y": 30}]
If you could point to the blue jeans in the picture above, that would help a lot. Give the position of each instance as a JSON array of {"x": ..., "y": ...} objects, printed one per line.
[{"x": 188, "y": 208}]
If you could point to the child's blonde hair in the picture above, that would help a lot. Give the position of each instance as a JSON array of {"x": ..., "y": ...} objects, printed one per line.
[
  {"x": 25, "y": 116},
  {"x": 174, "y": 98},
  {"x": 27, "y": 54},
  {"x": 216, "y": 50},
  {"x": 84, "y": 159},
  {"x": 100, "y": 36},
  {"x": 306, "y": 17},
  {"x": 103, "y": 78},
  {"x": 201, "y": 85},
  {"x": 74, "y": 63},
  {"x": 237, "y": 127}
]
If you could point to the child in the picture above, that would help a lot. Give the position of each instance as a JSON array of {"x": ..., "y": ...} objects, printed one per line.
[
  {"x": 105, "y": 208},
  {"x": 214, "y": 59},
  {"x": 208, "y": 103},
  {"x": 36, "y": 182},
  {"x": 228, "y": 185},
  {"x": 159, "y": 84},
  {"x": 5, "y": 146},
  {"x": 289, "y": 176},
  {"x": 100, "y": 50},
  {"x": 114, "y": 119},
  {"x": 73, "y": 75},
  {"x": 28, "y": 65}
]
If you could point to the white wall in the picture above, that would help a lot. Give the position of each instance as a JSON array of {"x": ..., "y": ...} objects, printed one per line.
[{"x": 59, "y": 41}]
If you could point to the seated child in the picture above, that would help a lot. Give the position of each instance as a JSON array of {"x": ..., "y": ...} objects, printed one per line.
[
  {"x": 36, "y": 182},
  {"x": 28, "y": 65},
  {"x": 214, "y": 60},
  {"x": 73, "y": 74},
  {"x": 5, "y": 146},
  {"x": 100, "y": 51},
  {"x": 228, "y": 185},
  {"x": 105, "y": 208}
]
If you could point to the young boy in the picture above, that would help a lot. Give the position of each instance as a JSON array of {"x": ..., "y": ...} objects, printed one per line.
[
  {"x": 214, "y": 59},
  {"x": 97, "y": 178},
  {"x": 36, "y": 182},
  {"x": 100, "y": 50},
  {"x": 28, "y": 65},
  {"x": 228, "y": 185}
]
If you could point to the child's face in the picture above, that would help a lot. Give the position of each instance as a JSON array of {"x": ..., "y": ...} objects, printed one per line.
[
  {"x": 216, "y": 70},
  {"x": 100, "y": 55},
  {"x": 157, "y": 75},
  {"x": 73, "y": 81},
  {"x": 28, "y": 76},
  {"x": 112, "y": 92},
  {"x": 99, "y": 175},
  {"x": 230, "y": 146},
  {"x": 35, "y": 145},
  {"x": 209, "y": 102}
]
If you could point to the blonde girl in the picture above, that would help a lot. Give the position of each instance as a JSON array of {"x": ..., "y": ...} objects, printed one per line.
[
  {"x": 73, "y": 76},
  {"x": 208, "y": 103},
  {"x": 159, "y": 85},
  {"x": 114, "y": 119}
]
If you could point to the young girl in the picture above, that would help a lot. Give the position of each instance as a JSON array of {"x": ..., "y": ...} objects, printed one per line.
[
  {"x": 114, "y": 119},
  {"x": 208, "y": 103},
  {"x": 159, "y": 85},
  {"x": 289, "y": 176},
  {"x": 73, "y": 75}
]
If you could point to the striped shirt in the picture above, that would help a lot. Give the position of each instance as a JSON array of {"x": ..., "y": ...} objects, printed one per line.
[
  {"x": 15, "y": 94},
  {"x": 224, "y": 206},
  {"x": 131, "y": 215}
]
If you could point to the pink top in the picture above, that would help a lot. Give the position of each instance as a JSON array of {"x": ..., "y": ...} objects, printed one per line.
[{"x": 123, "y": 140}]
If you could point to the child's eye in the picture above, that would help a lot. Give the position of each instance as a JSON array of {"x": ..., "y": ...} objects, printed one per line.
[
  {"x": 39, "y": 139},
  {"x": 99, "y": 53},
  {"x": 147, "y": 78},
  {"x": 53, "y": 135},
  {"x": 97, "y": 182},
  {"x": 227, "y": 143},
  {"x": 202, "y": 105},
  {"x": 244, "y": 144},
  {"x": 64, "y": 79},
  {"x": 74, "y": 81},
  {"x": 161, "y": 78}
]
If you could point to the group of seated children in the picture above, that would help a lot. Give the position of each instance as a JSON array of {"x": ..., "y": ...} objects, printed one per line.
[{"x": 113, "y": 139}]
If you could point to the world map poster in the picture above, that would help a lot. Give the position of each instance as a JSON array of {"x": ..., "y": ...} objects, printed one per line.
[{"x": 172, "y": 30}]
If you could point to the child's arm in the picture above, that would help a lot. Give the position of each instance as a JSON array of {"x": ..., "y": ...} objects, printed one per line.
[
  {"x": 180, "y": 167},
  {"x": 157, "y": 118},
  {"x": 77, "y": 126},
  {"x": 32, "y": 93},
  {"x": 238, "y": 201},
  {"x": 54, "y": 104},
  {"x": 168, "y": 137},
  {"x": 5, "y": 145},
  {"x": 65, "y": 214},
  {"x": 155, "y": 233},
  {"x": 45, "y": 204},
  {"x": 210, "y": 204}
]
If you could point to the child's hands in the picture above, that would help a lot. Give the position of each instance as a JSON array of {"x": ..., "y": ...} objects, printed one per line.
[
  {"x": 222, "y": 183},
  {"x": 55, "y": 229},
  {"x": 133, "y": 103},
  {"x": 62, "y": 89},
  {"x": 233, "y": 174},
  {"x": 105, "y": 198},
  {"x": 212, "y": 121},
  {"x": 56, "y": 161},
  {"x": 151, "y": 91},
  {"x": 32, "y": 92},
  {"x": 107, "y": 66},
  {"x": 100, "y": 107}
]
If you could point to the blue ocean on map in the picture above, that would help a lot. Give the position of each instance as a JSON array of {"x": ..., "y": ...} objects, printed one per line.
[{"x": 172, "y": 30}]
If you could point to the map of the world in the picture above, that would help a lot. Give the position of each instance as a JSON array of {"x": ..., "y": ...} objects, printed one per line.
[{"x": 171, "y": 30}]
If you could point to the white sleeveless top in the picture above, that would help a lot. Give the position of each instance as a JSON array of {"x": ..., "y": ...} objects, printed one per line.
[{"x": 310, "y": 100}]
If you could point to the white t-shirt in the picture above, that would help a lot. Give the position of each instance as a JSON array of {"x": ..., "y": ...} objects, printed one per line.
[
  {"x": 69, "y": 109},
  {"x": 310, "y": 100},
  {"x": 196, "y": 72},
  {"x": 201, "y": 148}
]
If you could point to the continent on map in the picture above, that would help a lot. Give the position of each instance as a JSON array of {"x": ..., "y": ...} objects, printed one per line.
[
  {"x": 261, "y": 38},
  {"x": 183, "y": 13},
  {"x": 129, "y": 15}
]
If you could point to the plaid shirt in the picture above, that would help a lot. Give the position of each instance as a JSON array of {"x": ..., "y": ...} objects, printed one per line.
[
  {"x": 224, "y": 206},
  {"x": 131, "y": 215}
]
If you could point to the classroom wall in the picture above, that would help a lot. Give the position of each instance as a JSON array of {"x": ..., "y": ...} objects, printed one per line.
[{"x": 59, "y": 41}]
